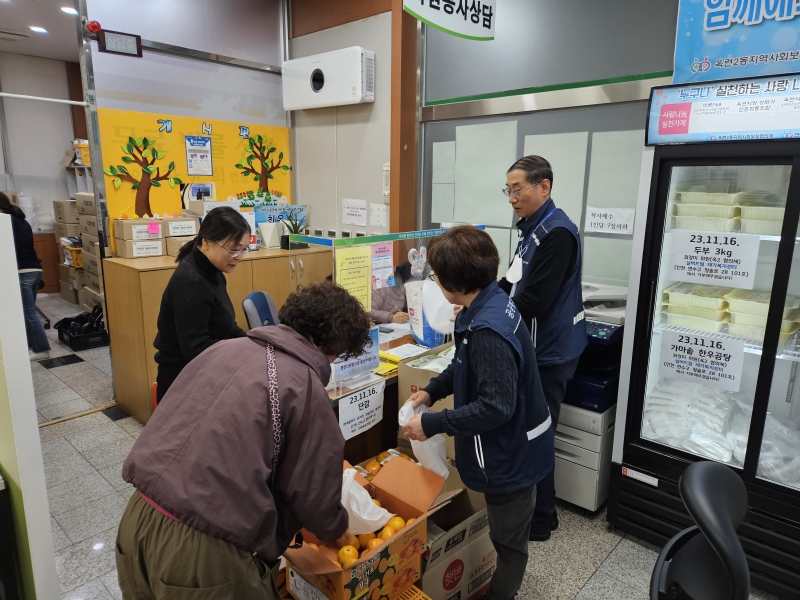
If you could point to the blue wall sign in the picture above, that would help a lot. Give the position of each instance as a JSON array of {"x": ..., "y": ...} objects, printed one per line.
[
  {"x": 726, "y": 39},
  {"x": 766, "y": 108}
]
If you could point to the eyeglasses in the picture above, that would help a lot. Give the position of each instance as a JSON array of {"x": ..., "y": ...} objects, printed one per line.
[
  {"x": 233, "y": 253},
  {"x": 509, "y": 192}
]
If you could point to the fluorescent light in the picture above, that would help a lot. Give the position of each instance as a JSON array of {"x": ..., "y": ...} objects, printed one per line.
[
  {"x": 69, "y": 11},
  {"x": 38, "y": 29}
]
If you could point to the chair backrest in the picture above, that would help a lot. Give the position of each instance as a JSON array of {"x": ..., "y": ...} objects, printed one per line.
[
  {"x": 706, "y": 561},
  {"x": 260, "y": 310}
]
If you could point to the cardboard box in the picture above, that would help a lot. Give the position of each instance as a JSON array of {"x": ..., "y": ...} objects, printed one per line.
[
  {"x": 92, "y": 264},
  {"x": 466, "y": 574},
  {"x": 77, "y": 278},
  {"x": 68, "y": 293},
  {"x": 63, "y": 272},
  {"x": 88, "y": 299},
  {"x": 411, "y": 380},
  {"x": 89, "y": 225},
  {"x": 94, "y": 282},
  {"x": 86, "y": 203},
  {"x": 180, "y": 226},
  {"x": 202, "y": 208},
  {"x": 139, "y": 249},
  {"x": 404, "y": 488},
  {"x": 67, "y": 230},
  {"x": 66, "y": 211},
  {"x": 12, "y": 196},
  {"x": 138, "y": 229},
  {"x": 174, "y": 244}
]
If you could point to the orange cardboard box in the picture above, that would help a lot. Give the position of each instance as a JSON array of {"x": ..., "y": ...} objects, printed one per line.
[{"x": 403, "y": 488}]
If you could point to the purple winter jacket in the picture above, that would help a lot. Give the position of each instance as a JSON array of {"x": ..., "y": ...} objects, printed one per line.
[
  {"x": 386, "y": 302},
  {"x": 205, "y": 456}
]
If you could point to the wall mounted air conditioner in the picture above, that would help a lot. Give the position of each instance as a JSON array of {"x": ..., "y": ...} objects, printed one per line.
[{"x": 335, "y": 78}]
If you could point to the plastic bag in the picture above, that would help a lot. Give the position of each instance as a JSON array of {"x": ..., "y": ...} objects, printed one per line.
[
  {"x": 365, "y": 515},
  {"x": 709, "y": 444},
  {"x": 432, "y": 453}
]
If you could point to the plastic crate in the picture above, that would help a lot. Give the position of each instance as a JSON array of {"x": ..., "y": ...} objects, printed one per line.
[
  {"x": 77, "y": 256},
  {"x": 85, "y": 341},
  {"x": 413, "y": 593}
]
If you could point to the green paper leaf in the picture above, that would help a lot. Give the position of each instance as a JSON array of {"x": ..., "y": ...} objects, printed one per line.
[
  {"x": 284, "y": 168},
  {"x": 160, "y": 154},
  {"x": 132, "y": 142},
  {"x": 177, "y": 180},
  {"x": 108, "y": 172},
  {"x": 251, "y": 158},
  {"x": 156, "y": 183},
  {"x": 171, "y": 182},
  {"x": 113, "y": 169},
  {"x": 268, "y": 163},
  {"x": 280, "y": 156},
  {"x": 127, "y": 159},
  {"x": 148, "y": 170},
  {"x": 125, "y": 149},
  {"x": 172, "y": 165},
  {"x": 137, "y": 142},
  {"x": 269, "y": 176},
  {"x": 245, "y": 173},
  {"x": 260, "y": 139},
  {"x": 146, "y": 142},
  {"x": 146, "y": 152},
  {"x": 257, "y": 177},
  {"x": 135, "y": 186},
  {"x": 117, "y": 183},
  {"x": 122, "y": 169},
  {"x": 272, "y": 149},
  {"x": 239, "y": 166}
]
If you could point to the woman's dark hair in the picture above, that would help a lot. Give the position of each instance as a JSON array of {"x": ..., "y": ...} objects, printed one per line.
[
  {"x": 329, "y": 317},
  {"x": 464, "y": 259},
  {"x": 8, "y": 208},
  {"x": 402, "y": 273},
  {"x": 536, "y": 168},
  {"x": 219, "y": 225}
]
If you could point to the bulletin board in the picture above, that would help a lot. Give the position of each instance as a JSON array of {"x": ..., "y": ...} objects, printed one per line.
[{"x": 243, "y": 157}]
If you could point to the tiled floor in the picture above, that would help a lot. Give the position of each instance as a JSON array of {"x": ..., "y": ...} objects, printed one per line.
[{"x": 69, "y": 382}]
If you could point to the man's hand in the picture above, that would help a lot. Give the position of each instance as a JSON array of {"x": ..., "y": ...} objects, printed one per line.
[
  {"x": 457, "y": 308},
  {"x": 420, "y": 397},
  {"x": 400, "y": 317},
  {"x": 413, "y": 430}
]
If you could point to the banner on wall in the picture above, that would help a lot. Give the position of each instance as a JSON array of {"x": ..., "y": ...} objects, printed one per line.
[
  {"x": 146, "y": 158},
  {"x": 468, "y": 19},
  {"x": 731, "y": 39}
]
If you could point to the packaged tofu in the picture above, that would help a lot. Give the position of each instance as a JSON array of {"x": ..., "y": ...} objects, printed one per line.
[
  {"x": 698, "y": 295},
  {"x": 756, "y": 302}
]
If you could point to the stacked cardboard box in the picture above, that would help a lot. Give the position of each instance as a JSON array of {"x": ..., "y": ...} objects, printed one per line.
[
  {"x": 137, "y": 238},
  {"x": 67, "y": 224},
  {"x": 178, "y": 231},
  {"x": 13, "y": 197}
]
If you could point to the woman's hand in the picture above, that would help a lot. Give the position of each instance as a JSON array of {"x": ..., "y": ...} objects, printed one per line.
[
  {"x": 413, "y": 430},
  {"x": 420, "y": 397},
  {"x": 400, "y": 317}
]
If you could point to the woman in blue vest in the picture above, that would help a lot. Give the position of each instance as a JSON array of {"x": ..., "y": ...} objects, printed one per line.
[{"x": 501, "y": 423}]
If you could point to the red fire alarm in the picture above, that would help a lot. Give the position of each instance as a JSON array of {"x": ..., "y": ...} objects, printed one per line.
[{"x": 93, "y": 26}]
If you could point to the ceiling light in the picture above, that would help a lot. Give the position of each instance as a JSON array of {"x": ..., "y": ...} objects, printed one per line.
[
  {"x": 38, "y": 29},
  {"x": 69, "y": 11}
]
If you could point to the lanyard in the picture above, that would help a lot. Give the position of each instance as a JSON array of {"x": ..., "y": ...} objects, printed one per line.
[{"x": 532, "y": 235}]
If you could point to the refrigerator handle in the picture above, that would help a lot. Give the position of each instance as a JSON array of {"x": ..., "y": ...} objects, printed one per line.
[{"x": 651, "y": 293}]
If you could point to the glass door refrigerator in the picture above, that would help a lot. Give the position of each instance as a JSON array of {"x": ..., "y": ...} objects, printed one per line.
[{"x": 713, "y": 357}]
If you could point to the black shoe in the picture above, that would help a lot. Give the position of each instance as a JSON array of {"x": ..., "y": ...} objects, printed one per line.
[
  {"x": 554, "y": 521},
  {"x": 540, "y": 532}
]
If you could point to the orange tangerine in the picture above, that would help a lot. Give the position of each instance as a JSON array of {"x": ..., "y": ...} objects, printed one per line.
[
  {"x": 410, "y": 521},
  {"x": 405, "y": 456},
  {"x": 396, "y": 524},
  {"x": 386, "y": 533},
  {"x": 364, "y": 539},
  {"x": 370, "y": 477},
  {"x": 377, "y": 502},
  {"x": 374, "y": 543},
  {"x": 373, "y": 467},
  {"x": 349, "y": 563},
  {"x": 382, "y": 456},
  {"x": 353, "y": 541},
  {"x": 347, "y": 553}
]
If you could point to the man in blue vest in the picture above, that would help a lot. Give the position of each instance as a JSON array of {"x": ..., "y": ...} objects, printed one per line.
[
  {"x": 544, "y": 281},
  {"x": 501, "y": 423}
]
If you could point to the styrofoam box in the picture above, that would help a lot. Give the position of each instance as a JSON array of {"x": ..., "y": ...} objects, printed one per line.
[
  {"x": 695, "y": 323},
  {"x": 762, "y": 213},
  {"x": 698, "y": 295},
  {"x": 706, "y": 210},
  {"x": 706, "y": 224},
  {"x": 706, "y": 198},
  {"x": 755, "y": 302},
  {"x": 787, "y": 325},
  {"x": 700, "y": 313},
  {"x": 761, "y": 227}
]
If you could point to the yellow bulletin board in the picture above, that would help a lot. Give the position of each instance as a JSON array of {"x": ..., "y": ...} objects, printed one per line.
[
  {"x": 354, "y": 272},
  {"x": 244, "y": 157}
]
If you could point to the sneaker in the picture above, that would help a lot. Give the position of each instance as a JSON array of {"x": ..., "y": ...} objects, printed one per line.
[
  {"x": 38, "y": 355},
  {"x": 540, "y": 532},
  {"x": 554, "y": 521}
]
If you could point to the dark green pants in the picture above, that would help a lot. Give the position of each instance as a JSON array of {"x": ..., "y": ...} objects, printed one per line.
[{"x": 160, "y": 559}]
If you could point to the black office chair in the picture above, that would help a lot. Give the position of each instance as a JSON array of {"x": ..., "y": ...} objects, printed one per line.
[{"x": 706, "y": 561}]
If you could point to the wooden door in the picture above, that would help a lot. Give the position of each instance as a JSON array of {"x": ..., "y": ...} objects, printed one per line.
[
  {"x": 240, "y": 284},
  {"x": 47, "y": 252},
  {"x": 275, "y": 276},
  {"x": 313, "y": 267}
]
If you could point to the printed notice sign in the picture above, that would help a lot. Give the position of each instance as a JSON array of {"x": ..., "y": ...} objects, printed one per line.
[
  {"x": 198, "y": 155},
  {"x": 354, "y": 273},
  {"x": 618, "y": 221},
  {"x": 702, "y": 359},
  {"x": 361, "y": 410},
  {"x": 720, "y": 259},
  {"x": 354, "y": 212},
  {"x": 303, "y": 589}
]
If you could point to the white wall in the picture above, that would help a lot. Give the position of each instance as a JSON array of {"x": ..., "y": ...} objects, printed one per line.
[
  {"x": 38, "y": 132},
  {"x": 340, "y": 151}
]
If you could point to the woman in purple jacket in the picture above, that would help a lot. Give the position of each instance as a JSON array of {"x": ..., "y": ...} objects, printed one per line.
[{"x": 389, "y": 303}]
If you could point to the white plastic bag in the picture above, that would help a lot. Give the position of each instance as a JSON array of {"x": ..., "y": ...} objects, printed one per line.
[
  {"x": 432, "y": 453},
  {"x": 365, "y": 515}
]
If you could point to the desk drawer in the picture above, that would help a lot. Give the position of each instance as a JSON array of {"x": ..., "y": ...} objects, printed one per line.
[
  {"x": 576, "y": 437},
  {"x": 580, "y": 456}
]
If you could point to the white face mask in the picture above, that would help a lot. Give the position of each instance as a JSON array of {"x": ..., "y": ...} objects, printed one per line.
[{"x": 514, "y": 273}]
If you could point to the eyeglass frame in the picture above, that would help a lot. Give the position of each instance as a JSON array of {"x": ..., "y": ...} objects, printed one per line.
[
  {"x": 234, "y": 253},
  {"x": 509, "y": 192}
]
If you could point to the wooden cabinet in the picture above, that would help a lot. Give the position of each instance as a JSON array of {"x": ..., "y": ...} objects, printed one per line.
[
  {"x": 134, "y": 288},
  {"x": 47, "y": 252}
]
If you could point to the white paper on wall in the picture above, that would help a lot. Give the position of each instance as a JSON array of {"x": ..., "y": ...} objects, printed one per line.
[
  {"x": 615, "y": 169},
  {"x": 501, "y": 239},
  {"x": 443, "y": 197},
  {"x": 483, "y": 155},
  {"x": 607, "y": 260},
  {"x": 566, "y": 153},
  {"x": 354, "y": 212},
  {"x": 443, "y": 169}
]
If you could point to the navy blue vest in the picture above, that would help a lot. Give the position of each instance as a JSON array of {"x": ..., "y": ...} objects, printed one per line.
[
  {"x": 560, "y": 335},
  {"x": 519, "y": 453}
]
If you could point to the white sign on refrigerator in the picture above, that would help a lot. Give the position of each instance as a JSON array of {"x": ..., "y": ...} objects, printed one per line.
[
  {"x": 726, "y": 259},
  {"x": 702, "y": 359}
]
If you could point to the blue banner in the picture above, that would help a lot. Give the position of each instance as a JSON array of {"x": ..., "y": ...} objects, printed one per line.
[{"x": 732, "y": 39}]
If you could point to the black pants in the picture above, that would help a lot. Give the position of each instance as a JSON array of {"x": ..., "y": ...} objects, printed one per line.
[
  {"x": 554, "y": 380},
  {"x": 165, "y": 378},
  {"x": 509, "y": 529}
]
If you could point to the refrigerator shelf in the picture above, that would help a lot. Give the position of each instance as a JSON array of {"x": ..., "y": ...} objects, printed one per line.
[{"x": 790, "y": 351}]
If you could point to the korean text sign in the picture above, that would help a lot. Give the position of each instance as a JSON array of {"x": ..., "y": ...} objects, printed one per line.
[
  {"x": 707, "y": 359},
  {"x": 718, "y": 259},
  {"x": 766, "y": 108},
  {"x": 469, "y": 19},
  {"x": 728, "y": 39}
]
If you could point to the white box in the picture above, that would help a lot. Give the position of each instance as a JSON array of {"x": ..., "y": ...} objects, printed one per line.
[{"x": 202, "y": 208}]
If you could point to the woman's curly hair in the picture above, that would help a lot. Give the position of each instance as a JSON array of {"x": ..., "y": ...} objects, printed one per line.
[{"x": 329, "y": 317}]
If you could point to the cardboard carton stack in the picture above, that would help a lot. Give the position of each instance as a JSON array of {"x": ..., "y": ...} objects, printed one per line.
[
  {"x": 67, "y": 225},
  {"x": 92, "y": 292},
  {"x": 178, "y": 231},
  {"x": 138, "y": 238}
]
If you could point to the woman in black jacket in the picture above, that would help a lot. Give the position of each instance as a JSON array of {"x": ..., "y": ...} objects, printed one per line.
[
  {"x": 30, "y": 274},
  {"x": 196, "y": 311}
]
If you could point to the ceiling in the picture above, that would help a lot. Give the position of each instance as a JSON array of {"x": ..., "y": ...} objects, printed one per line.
[{"x": 59, "y": 43}]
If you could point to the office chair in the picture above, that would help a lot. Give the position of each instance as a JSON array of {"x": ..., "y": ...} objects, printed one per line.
[
  {"x": 260, "y": 310},
  {"x": 706, "y": 561}
]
